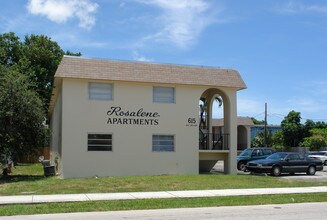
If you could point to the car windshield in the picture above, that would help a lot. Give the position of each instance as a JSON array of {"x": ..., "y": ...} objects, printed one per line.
[
  {"x": 277, "y": 156},
  {"x": 246, "y": 153}
]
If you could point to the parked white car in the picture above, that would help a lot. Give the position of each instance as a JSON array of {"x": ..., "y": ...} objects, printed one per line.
[{"x": 321, "y": 155}]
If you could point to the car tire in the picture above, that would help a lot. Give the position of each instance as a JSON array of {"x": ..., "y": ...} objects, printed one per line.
[
  {"x": 311, "y": 170},
  {"x": 276, "y": 171},
  {"x": 325, "y": 163},
  {"x": 241, "y": 166}
]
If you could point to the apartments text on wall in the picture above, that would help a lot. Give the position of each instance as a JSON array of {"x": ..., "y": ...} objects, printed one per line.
[{"x": 117, "y": 115}]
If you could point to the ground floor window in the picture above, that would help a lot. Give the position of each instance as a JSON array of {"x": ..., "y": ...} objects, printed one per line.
[
  {"x": 99, "y": 142},
  {"x": 163, "y": 143}
]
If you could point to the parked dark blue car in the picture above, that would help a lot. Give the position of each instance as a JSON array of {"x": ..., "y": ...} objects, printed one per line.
[
  {"x": 250, "y": 154},
  {"x": 285, "y": 162}
]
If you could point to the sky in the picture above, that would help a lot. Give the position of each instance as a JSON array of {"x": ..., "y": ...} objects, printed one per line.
[{"x": 278, "y": 46}]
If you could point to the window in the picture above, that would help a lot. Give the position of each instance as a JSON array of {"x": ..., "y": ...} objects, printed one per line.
[
  {"x": 163, "y": 143},
  {"x": 257, "y": 152},
  {"x": 163, "y": 94},
  {"x": 100, "y": 91},
  {"x": 294, "y": 157},
  {"x": 267, "y": 151},
  {"x": 99, "y": 142}
]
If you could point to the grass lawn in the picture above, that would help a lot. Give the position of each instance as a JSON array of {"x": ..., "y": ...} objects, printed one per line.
[{"x": 29, "y": 179}]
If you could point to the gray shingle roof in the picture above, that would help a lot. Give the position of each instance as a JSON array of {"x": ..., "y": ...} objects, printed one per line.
[
  {"x": 114, "y": 70},
  {"x": 246, "y": 121},
  {"x": 85, "y": 68}
]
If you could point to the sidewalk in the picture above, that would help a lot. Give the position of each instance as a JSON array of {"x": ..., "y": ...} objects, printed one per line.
[{"x": 30, "y": 199}]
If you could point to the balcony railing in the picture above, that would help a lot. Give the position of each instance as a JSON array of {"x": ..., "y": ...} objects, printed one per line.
[{"x": 213, "y": 141}]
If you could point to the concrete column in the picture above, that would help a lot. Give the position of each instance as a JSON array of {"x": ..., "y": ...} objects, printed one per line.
[
  {"x": 210, "y": 121},
  {"x": 230, "y": 121},
  {"x": 248, "y": 137}
]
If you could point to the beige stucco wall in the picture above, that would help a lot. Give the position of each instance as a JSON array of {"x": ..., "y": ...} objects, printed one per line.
[
  {"x": 56, "y": 133},
  {"x": 74, "y": 116},
  {"x": 132, "y": 144},
  {"x": 244, "y": 137},
  {"x": 230, "y": 127}
]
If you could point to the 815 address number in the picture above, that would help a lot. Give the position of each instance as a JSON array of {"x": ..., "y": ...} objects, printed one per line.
[{"x": 191, "y": 120}]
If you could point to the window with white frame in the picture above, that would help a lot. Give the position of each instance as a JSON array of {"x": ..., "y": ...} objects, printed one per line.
[
  {"x": 99, "y": 142},
  {"x": 100, "y": 91},
  {"x": 163, "y": 143},
  {"x": 163, "y": 94}
]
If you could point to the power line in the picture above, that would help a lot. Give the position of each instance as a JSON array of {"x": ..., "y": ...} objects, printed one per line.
[
  {"x": 276, "y": 115},
  {"x": 258, "y": 115},
  {"x": 282, "y": 116},
  {"x": 322, "y": 119}
]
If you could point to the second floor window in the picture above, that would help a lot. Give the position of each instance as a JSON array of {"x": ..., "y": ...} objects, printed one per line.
[
  {"x": 163, "y": 94},
  {"x": 100, "y": 91}
]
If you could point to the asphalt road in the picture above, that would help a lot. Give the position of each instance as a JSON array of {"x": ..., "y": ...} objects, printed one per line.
[{"x": 265, "y": 212}]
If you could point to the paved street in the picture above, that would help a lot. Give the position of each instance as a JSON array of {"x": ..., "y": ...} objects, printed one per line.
[{"x": 302, "y": 211}]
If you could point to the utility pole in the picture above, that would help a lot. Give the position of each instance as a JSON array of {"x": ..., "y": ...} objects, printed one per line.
[{"x": 265, "y": 126}]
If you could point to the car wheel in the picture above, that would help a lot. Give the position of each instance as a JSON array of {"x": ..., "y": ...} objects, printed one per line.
[
  {"x": 241, "y": 166},
  {"x": 276, "y": 171},
  {"x": 311, "y": 170},
  {"x": 325, "y": 163}
]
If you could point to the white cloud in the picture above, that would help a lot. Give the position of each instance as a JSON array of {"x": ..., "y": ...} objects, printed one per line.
[
  {"x": 293, "y": 7},
  {"x": 139, "y": 57},
  {"x": 303, "y": 104},
  {"x": 70, "y": 39},
  {"x": 312, "y": 89},
  {"x": 317, "y": 88},
  {"x": 254, "y": 106},
  {"x": 181, "y": 21},
  {"x": 249, "y": 107},
  {"x": 60, "y": 11},
  {"x": 310, "y": 100},
  {"x": 309, "y": 107}
]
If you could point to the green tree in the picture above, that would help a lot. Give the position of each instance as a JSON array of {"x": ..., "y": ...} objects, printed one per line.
[
  {"x": 317, "y": 139},
  {"x": 22, "y": 128},
  {"x": 37, "y": 57},
  {"x": 278, "y": 140},
  {"x": 259, "y": 140},
  {"x": 308, "y": 125},
  {"x": 27, "y": 69},
  {"x": 204, "y": 108},
  {"x": 70, "y": 53},
  {"x": 11, "y": 49},
  {"x": 44, "y": 56},
  {"x": 257, "y": 122},
  {"x": 292, "y": 129},
  {"x": 320, "y": 124}
]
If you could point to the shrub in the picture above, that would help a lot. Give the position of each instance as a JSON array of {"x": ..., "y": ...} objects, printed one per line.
[{"x": 314, "y": 142}]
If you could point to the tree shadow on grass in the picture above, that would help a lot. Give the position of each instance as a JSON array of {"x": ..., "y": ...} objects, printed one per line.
[{"x": 20, "y": 178}]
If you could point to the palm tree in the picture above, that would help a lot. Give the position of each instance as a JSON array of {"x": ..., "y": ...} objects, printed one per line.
[{"x": 204, "y": 108}]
